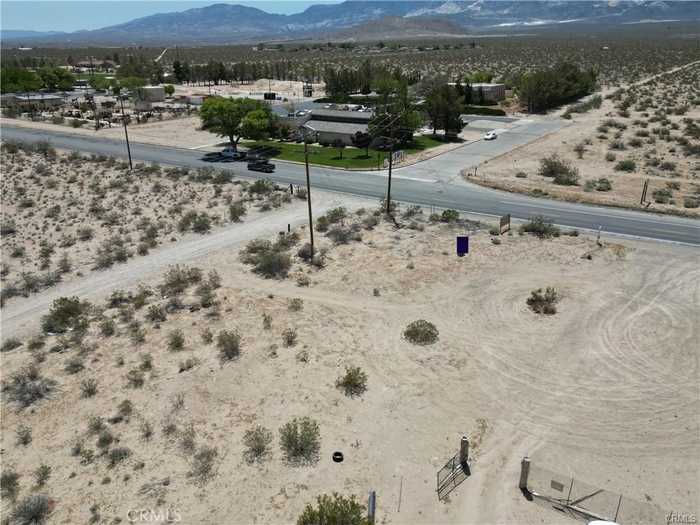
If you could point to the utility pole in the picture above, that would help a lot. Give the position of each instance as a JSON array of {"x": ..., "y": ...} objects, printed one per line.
[
  {"x": 126, "y": 133},
  {"x": 308, "y": 194}
]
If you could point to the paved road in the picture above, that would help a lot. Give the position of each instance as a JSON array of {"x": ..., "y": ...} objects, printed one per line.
[{"x": 434, "y": 182}]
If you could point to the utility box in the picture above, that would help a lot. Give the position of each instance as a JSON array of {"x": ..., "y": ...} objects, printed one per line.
[{"x": 462, "y": 245}]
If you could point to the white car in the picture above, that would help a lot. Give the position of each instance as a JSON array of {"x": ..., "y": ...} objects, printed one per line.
[{"x": 491, "y": 135}]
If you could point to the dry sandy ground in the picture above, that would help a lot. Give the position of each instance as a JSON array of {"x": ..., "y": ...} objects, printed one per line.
[
  {"x": 606, "y": 390},
  {"x": 663, "y": 162}
]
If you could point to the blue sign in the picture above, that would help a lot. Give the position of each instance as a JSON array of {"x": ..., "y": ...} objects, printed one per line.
[{"x": 462, "y": 245}]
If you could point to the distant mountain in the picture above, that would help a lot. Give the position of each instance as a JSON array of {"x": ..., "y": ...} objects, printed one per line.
[
  {"x": 227, "y": 23},
  {"x": 12, "y": 34},
  {"x": 392, "y": 27}
]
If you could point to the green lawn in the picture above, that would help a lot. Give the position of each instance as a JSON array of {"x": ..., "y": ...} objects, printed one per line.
[{"x": 351, "y": 157}]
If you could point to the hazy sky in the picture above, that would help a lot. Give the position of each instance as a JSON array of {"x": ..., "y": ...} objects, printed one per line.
[{"x": 59, "y": 15}]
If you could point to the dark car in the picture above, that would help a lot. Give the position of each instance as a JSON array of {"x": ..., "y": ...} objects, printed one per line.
[{"x": 262, "y": 166}]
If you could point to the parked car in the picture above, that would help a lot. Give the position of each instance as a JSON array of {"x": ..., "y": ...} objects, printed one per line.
[
  {"x": 261, "y": 165},
  {"x": 491, "y": 135}
]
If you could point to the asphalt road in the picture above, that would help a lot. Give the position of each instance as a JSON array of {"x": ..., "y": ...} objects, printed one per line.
[{"x": 433, "y": 182}]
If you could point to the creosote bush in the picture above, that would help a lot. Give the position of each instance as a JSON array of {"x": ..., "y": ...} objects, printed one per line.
[
  {"x": 228, "y": 343},
  {"x": 27, "y": 386},
  {"x": 543, "y": 303},
  {"x": 300, "y": 439},
  {"x": 333, "y": 510},
  {"x": 257, "y": 441},
  {"x": 560, "y": 170},
  {"x": 421, "y": 332},
  {"x": 540, "y": 227},
  {"x": 353, "y": 382},
  {"x": 32, "y": 510}
]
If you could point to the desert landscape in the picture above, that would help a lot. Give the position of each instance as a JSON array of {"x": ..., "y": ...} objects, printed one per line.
[
  {"x": 616, "y": 141},
  {"x": 173, "y": 395},
  {"x": 65, "y": 214},
  {"x": 353, "y": 263}
]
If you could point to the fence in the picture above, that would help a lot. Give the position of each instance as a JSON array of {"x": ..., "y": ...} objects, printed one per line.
[{"x": 581, "y": 500}]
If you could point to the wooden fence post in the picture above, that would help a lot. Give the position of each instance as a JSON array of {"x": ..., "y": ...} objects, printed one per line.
[
  {"x": 524, "y": 473},
  {"x": 463, "y": 450}
]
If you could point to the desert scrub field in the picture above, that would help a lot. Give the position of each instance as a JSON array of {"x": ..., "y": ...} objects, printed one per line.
[
  {"x": 221, "y": 392},
  {"x": 646, "y": 131},
  {"x": 67, "y": 214}
]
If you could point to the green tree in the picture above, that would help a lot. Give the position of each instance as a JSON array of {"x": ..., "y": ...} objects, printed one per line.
[
  {"x": 16, "y": 80},
  {"x": 443, "y": 106},
  {"x": 56, "y": 78},
  {"x": 236, "y": 118},
  {"x": 169, "y": 89},
  {"x": 333, "y": 510}
]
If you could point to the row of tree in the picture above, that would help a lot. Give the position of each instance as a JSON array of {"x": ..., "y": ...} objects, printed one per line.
[
  {"x": 17, "y": 80},
  {"x": 548, "y": 88}
]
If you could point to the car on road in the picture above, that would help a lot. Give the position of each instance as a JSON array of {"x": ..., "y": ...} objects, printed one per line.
[
  {"x": 491, "y": 135},
  {"x": 261, "y": 165},
  {"x": 227, "y": 155}
]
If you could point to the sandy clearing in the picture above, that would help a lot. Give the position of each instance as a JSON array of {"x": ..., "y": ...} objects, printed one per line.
[{"x": 607, "y": 389}]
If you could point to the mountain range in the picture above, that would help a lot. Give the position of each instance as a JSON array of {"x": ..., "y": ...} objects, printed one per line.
[{"x": 365, "y": 20}]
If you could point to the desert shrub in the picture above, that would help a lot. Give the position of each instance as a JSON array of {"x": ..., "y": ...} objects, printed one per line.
[
  {"x": 261, "y": 187},
  {"x": 301, "y": 193},
  {"x": 295, "y": 304},
  {"x": 188, "y": 364},
  {"x": 125, "y": 409},
  {"x": 300, "y": 440},
  {"x": 449, "y": 216},
  {"x": 88, "y": 387},
  {"x": 32, "y": 510},
  {"x": 236, "y": 210},
  {"x": 540, "y": 227},
  {"x": 117, "y": 455},
  {"x": 105, "y": 439},
  {"x": 336, "y": 215},
  {"x": 9, "y": 484},
  {"x": 156, "y": 314},
  {"x": 558, "y": 169},
  {"x": 74, "y": 365},
  {"x": 662, "y": 195},
  {"x": 272, "y": 264},
  {"x": 267, "y": 321},
  {"x": 24, "y": 434},
  {"x": 135, "y": 378},
  {"x": 228, "y": 343},
  {"x": 333, "y": 510},
  {"x": 108, "y": 327},
  {"x": 65, "y": 313},
  {"x": 421, "y": 332},
  {"x": 257, "y": 442},
  {"x": 42, "y": 475},
  {"x": 601, "y": 184},
  {"x": 203, "y": 464},
  {"x": 626, "y": 165},
  {"x": 289, "y": 336},
  {"x": 178, "y": 278},
  {"x": 543, "y": 303},
  {"x": 27, "y": 386},
  {"x": 341, "y": 235},
  {"x": 176, "y": 340},
  {"x": 691, "y": 202},
  {"x": 10, "y": 344},
  {"x": 96, "y": 425},
  {"x": 304, "y": 253},
  {"x": 353, "y": 382},
  {"x": 146, "y": 430},
  {"x": 322, "y": 224}
]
